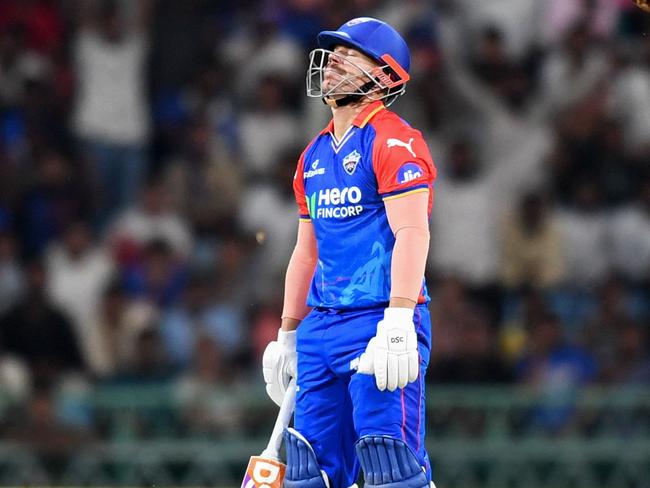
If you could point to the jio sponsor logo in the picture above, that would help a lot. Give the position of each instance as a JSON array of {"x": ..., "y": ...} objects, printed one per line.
[{"x": 409, "y": 172}]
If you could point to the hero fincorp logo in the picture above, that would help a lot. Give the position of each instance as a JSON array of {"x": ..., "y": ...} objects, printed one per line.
[
  {"x": 409, "y": 172},
  {"x": 314, "y": 171},
  {"x": 335, "y": 203}
]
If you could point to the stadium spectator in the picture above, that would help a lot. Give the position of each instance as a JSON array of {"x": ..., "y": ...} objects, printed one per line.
[
  {"x": 147, "y": 363},
  {"x": 53, "y": 196},
  {"x": 77, "y": 272},
  {"x": 119, "y": 322},
  {"x": 153, "y": 218},
  {"x": 583, "y": 236},
  {"x": 630, "y": 98},
  {"x": 491, "y": 63},
  {"x": 521, "y": 311},
  {"x": 111, "y": 112},
  {"x": 609, "y": 330},
  {"x": 556, "y": 370},
  {"x": 195, "y": 316},
  {"x": 270, "y": 213},
  {"x": 514, "y": 18},
  {"x": 203, "y": 412},
  {"x": 18, "y": 65},
  {"x": 476, "y": 360},
  {"x": 450, "y": 304},
  {"x": 499, "y": 116},
  {"x": 267, "y": 128},
  {"x": 12, "y": 280},
  {"x": 202, "y": 180},
  {"x": 558, "y": 16},
  {"x": 15, "y": 383},
  {"x": 633, "y": 364},
  {"x": 40, "y": 21},
  {"x": 261, "y": 49},
  {"x": 158, "y": 277},
  {"x": 617, "y": 167},
  {"x": 531, "y": 252},
  {"x": 629, "y": 236},
  {"x": 572, "y": 71},
  {"x": 465, "y": 207},
  {"x": 37, "y": 332}
]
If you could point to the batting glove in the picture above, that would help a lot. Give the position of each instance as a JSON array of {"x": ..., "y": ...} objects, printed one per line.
[
  {"x": 392, "y": 355},
  {"x": 279, "y": 364}
]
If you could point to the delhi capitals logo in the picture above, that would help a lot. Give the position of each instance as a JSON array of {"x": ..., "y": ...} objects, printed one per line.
[{"x": 350, "y": 162}]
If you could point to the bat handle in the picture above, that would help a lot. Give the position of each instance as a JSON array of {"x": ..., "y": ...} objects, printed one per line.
[{"x": 284, "y": 416}]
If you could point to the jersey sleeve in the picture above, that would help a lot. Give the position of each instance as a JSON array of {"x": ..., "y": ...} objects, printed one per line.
[
  {"x": 299, "y": 188},
  {"x": 401, "y": 161}
]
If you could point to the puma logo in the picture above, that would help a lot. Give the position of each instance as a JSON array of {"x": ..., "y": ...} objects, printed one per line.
[{"x": 406, "y": 145}]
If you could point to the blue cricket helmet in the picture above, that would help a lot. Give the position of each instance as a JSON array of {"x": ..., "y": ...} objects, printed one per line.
[{"x": 374, "y": 38}]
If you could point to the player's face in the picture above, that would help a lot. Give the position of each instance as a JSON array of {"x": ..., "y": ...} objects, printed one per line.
[{"x": 349, "y": 64}]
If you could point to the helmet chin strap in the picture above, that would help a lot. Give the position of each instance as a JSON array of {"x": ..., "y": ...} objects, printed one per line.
[{"x": 348, "y": 99}]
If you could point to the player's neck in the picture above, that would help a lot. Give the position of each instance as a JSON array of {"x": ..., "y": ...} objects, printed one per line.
[{"x": 344, "y": 116}]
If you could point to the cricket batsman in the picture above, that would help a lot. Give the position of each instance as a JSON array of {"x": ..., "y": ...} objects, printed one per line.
[{"x": 355, "y": 329}]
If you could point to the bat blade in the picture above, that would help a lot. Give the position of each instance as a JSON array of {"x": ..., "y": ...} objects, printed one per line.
[{"x": 264, "y": 472}]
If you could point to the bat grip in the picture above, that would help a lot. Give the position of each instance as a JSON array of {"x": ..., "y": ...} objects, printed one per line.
[{"x": 284, "y": 416}]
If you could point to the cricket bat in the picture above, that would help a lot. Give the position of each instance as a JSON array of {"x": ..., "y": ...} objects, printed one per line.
[{"x": 266, "y": 470}]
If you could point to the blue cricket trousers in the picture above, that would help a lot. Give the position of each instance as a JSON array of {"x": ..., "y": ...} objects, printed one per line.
[{"x": 335, "y": 405}]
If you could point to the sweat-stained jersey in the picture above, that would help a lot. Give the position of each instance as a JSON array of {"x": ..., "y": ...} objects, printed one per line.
[{"x": 341, "y": 186}]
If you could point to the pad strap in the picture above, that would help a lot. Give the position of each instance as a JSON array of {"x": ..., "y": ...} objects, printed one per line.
[
  {"x": 303, "y": 470},
  {"x": 389, "y": 463}
]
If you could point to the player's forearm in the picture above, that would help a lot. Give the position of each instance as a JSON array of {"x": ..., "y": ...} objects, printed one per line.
[
  {"x": 408, "y": 219},
  {"x": 296, "y": 288},
  {"x": 298, "y": 278},
  {"x": 407, "y": 266}
]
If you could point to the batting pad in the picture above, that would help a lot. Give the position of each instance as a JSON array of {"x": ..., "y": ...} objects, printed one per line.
[
  {"x": 303, "y": 470},
  {"x": 389, "y": 463}
]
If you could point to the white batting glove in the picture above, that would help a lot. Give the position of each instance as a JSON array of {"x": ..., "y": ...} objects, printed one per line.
[
  {"x": 392, "y": 355},
  {"x": 279, "y": 364}
]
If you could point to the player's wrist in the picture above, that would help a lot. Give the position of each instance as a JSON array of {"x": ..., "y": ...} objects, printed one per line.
[
  {"x": 287, "y": 339},
  {"x": 289, "y": 324},
  {"x": 400, "y": 302},
  {"x": 398, "y": 315}
]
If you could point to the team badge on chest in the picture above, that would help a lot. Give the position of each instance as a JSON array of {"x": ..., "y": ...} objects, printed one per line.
[{"x": 351, "y": 161}]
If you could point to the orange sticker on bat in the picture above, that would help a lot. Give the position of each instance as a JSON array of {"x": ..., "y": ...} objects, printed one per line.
[{"x": 263, "y": 473}]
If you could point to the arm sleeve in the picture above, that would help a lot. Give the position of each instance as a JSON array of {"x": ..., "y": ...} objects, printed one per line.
[
  {"x": 300, "y": 272},
  {"x": 408, "y": 218}
]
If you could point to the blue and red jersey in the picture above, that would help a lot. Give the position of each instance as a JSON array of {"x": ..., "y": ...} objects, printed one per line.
[{"x": 341, "y": 186}]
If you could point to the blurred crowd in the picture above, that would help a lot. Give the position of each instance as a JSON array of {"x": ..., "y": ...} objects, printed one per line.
[{"x": 146, "y": 213}]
